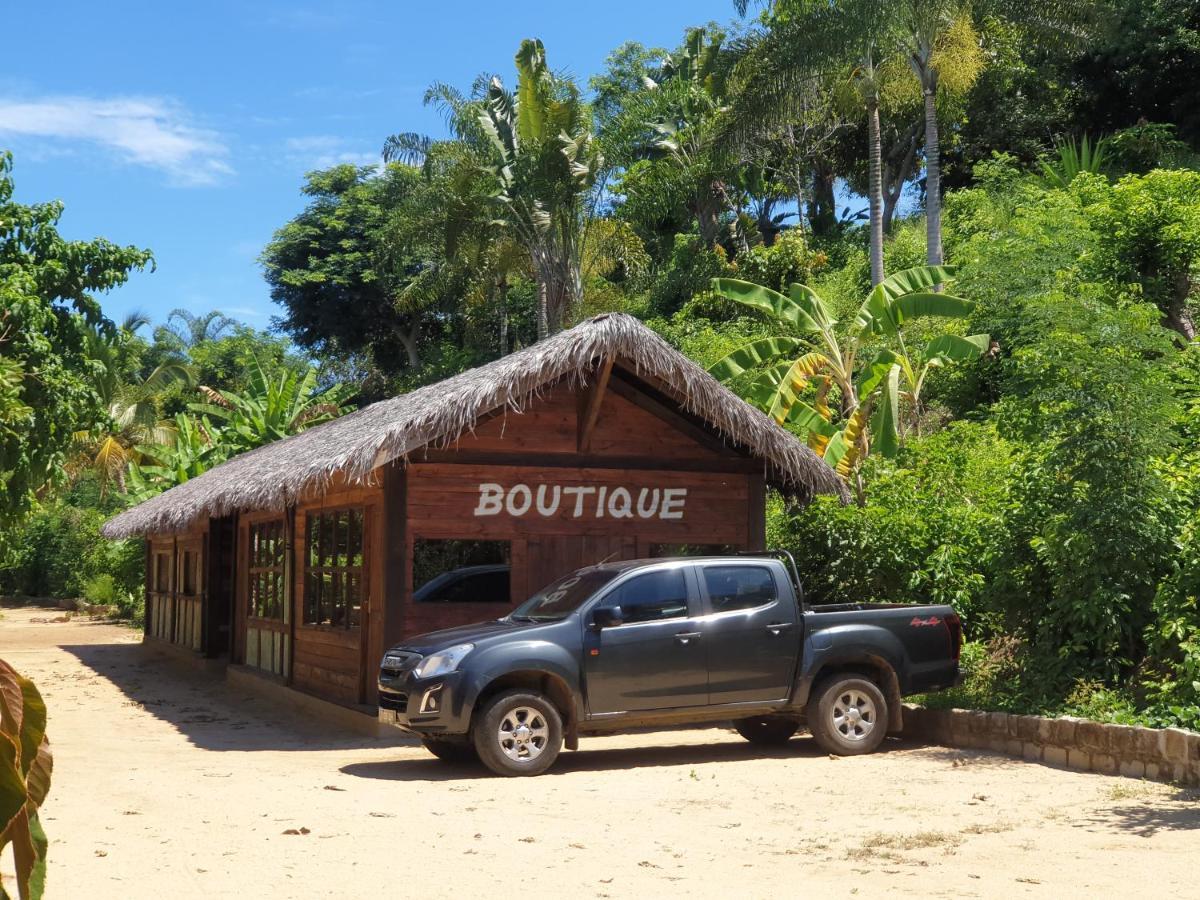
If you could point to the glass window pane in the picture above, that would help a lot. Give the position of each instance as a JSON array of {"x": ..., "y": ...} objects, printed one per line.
[{"x": 739, "y": 587}]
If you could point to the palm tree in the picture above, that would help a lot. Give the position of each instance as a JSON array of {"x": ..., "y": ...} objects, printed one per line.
[
  {"x": 133, "y": 417},
  {"x": 546, "y": 166},
  {"x": 810, "y": 39},
  {"x": 192, "y": 329},
  {"x": 682, "y": 105}
]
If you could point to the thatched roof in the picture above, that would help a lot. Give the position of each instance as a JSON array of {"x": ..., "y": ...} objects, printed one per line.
[{"x": 300, "y": 466}]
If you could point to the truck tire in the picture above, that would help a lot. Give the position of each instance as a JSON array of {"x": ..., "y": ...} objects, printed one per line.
[
  {"x": 767, "y": 731},
  {"x": 848, "y": 715},
  {"x": 518, "y": 732},
  {"x": 451, "y": 751}
]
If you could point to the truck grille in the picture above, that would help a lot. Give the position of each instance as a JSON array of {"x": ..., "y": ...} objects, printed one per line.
[{"x": 394, "y": 702}]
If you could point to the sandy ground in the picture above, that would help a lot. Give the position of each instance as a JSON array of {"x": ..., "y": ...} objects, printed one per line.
[{"x": 168, "y": 784}]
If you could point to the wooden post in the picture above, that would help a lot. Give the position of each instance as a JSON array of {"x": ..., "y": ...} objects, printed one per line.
[
  {"x": 756, "y": 510},
  {"x": 289, "y": 591},
  {"x": 150, "y": 573},
  {"x": 395, "y": 540}
]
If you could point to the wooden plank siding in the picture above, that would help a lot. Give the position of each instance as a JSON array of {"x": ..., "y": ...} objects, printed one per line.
[
  {"x": 339, "y": 663},
  {"x": 176, "y": 587}
]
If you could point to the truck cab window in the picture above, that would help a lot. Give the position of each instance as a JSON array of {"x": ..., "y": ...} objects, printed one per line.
[
  {"x": 651, "y": 597},
  {"x": 739, "y": 587}
]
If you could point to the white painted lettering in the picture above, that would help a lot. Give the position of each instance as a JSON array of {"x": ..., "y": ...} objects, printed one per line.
[
  {"x": 520, "y": 498},
  {"x": 645, "y": 511},
  {"x": 544, "y": 508},
  {"x": 491, "y": 500},
  {"x": 579, "y": 493},
  {"x": 620, "y": 503},
  {"x": 600, "y": 503},
  {"x": 672, "y": 503}
]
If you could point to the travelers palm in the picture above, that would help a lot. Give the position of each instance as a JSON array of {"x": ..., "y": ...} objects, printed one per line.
[{"x": 547, "y": 164}]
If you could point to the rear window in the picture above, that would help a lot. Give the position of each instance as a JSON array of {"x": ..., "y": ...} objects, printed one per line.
[{"x": 739, "y": 587}]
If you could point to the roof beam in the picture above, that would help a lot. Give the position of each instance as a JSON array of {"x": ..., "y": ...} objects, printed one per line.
[{"x": 590, "y": 400}]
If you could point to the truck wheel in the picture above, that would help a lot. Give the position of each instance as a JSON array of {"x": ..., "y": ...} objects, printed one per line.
[
  {"x": 518, "y": 732},
  {"x": 449, "y": 751},
  {"x": 848, "y": 716},
  {"x": 766, "y": 731}
]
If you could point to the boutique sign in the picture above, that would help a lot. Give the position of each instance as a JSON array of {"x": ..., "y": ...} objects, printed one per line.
[{"x": 580, "y": 501}]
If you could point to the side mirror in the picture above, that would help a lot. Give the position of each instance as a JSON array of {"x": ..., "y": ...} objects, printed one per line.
[{"x": 607, "y": 617}]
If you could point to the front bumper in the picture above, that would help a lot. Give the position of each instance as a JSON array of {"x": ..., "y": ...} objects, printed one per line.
[{"x": 424, "y": 705}]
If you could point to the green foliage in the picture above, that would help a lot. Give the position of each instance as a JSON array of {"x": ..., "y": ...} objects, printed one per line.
[
  {"x": 1090, "y": 529},
  {"x": 788, "y": 261},
  {"x": 60, "y": 549},
  {"x": 688, "y": 272},
  {"x": 48, "y": 317},
  {"x": 1071, "y": 159},
  {"x": 926, "y": 533}
]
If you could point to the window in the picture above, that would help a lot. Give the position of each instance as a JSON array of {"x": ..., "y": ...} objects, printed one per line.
[
  {"x": 461, "y": 571},
  {"x": 739, "y": 587},
  {"x": 189, "y": 572},
  {"x": 333, "y": 568},
  {"x": 265, "y": 590},
  {"x": 651, "y": 597},
  {"x": 162, "y": 572}
]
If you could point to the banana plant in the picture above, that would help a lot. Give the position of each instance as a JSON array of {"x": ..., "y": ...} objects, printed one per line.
[
  {"x": 274, "y": 405},
  {"x": 800, "y": 375},
  {"x": 25, "y": 769}
]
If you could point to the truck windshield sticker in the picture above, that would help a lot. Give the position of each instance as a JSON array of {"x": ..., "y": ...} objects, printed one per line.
[{"x": 581, "y": 500}]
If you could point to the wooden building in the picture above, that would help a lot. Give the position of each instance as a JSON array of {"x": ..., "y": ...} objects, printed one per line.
[{"x": 307, "y": 558}]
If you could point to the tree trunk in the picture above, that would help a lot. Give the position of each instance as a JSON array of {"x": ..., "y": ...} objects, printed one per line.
[
  {"x": 933, "y": 177},
  {"x": 708, "y": 217},
  {"x": 822, "y": 211},
  {"x": 1177, "y": 315},
  {"x": 543, "y": 312},
  {"x": 875, "y": 190},
  {"x": 408, "y": 339},
  {"x": 502, "y": 295}
]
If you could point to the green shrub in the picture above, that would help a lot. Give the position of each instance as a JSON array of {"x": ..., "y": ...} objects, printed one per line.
[{"x": 100, "y": 590}]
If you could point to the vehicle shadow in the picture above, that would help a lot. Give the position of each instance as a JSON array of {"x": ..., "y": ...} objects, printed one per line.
[
  {"x": 602, "y": 759},
  {"x": 210, "y": 713}
]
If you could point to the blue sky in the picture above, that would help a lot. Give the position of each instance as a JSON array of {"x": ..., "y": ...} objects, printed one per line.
[{"x": 189, "y": 131}]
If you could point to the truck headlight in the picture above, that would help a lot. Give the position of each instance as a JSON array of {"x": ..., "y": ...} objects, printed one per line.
[{"x": 443, "y": 661}]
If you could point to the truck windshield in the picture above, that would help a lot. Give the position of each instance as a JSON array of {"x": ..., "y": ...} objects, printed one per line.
[{"x": 564, "y": 596}]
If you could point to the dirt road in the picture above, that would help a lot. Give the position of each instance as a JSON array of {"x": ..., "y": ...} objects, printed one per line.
[{"x": 175, "y": 786}]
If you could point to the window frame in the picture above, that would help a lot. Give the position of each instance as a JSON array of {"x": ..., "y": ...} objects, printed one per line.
[
  {"x": 253, "y": 570},
  {"x": 689, "y": 581},
  {"x": 362, "y": 570},
  {"x": 706, "y": 596}
]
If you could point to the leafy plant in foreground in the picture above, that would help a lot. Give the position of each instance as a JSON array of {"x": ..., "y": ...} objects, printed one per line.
[{"x": 25, "y": 768}]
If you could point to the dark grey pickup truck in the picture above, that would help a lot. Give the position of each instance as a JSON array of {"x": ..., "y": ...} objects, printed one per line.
[{"x": 665, "y": 642}]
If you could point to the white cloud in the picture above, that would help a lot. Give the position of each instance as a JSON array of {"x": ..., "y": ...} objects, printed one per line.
[
  {"x": 324, "y": 150},
  {"x": 143, "y": 131}
]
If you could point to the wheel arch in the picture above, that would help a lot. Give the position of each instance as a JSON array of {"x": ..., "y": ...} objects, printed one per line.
[
  {"x": 875, "y": 669},
  {"x": 553, "y": 686}
]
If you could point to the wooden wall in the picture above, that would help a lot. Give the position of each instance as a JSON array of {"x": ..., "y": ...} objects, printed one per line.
[
  {"x": 176, "y": 587},
  {"x": 340, "y": 663},
  {"x": 637, "y": 449}
]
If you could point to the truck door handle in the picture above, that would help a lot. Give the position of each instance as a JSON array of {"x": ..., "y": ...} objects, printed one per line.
[
  {"x": 777, "y": 628},
  {"x": 685, "y": 637}
]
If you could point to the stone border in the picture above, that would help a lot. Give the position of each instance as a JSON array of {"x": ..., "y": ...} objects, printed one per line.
[{"x": 1162, "y": 754}]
